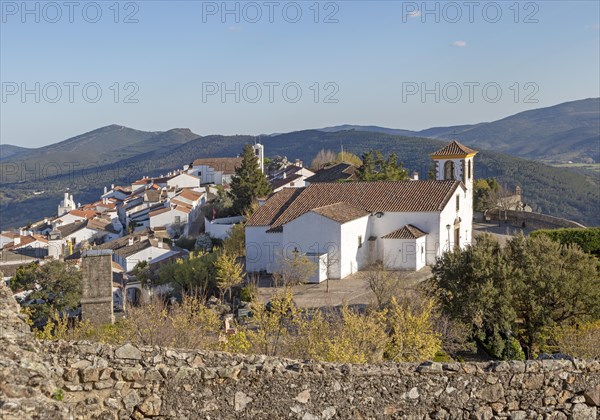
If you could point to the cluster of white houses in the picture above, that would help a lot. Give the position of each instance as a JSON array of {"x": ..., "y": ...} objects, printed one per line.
[{"x": 343, "y": 226}]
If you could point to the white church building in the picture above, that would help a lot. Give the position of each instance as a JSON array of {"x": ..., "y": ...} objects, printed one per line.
[{"x": 348, "y": 226}]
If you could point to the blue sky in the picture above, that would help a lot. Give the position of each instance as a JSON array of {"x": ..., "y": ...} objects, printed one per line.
[{"x": 170, "y": 67}]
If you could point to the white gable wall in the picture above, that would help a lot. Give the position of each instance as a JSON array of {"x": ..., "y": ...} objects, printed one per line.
[
  {"x": 428, "y": 222},
  {"x": 353, "y": 257},
  {"x": 313, "y": 233},
  {"x": 148, "y": 254},
  {"x": 81, "y": 235},
  {"x": 404, "y": 254},
  {"x": 184, "y": 180}
]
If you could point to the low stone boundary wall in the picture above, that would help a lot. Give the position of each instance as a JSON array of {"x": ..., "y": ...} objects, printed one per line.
[
  {"x": 532, "y": 220},
  {"x": 120, "y": 382}
]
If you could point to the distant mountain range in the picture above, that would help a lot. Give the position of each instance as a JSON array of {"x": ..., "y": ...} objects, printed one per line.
[
  {"x": 566, "y": 132},
  {"x": 116, "y": 154}
]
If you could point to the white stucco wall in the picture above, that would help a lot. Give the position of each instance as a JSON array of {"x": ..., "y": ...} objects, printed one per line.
[
  {"x": 404, "y": 254},
  {"x": 449, "y": 216},
  {"x": 428, "y": 222},
  {"x": 149, "y": 254},
  {"x": 184, "y": 181},
  {"x": 262, "y": 248},
  {"x": 220, "y": 228},
  {"x": 353, "y": 257},
  {"x": 81, "y": 235},
  {"x": 168, "y": 218},
  {"x": 313, "y": 233}
]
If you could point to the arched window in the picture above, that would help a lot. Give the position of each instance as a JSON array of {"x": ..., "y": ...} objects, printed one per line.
[
  {"x": 469, "y": 170},
  {"x": 449, "y": 170}
]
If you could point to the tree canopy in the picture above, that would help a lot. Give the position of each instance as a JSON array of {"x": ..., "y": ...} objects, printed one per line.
[
  {"x": 377, "y": 168},
  {"x": 513, "y": 296},
  {"x": 56, "y": 286},
  {"x": 249, "y": 182}
]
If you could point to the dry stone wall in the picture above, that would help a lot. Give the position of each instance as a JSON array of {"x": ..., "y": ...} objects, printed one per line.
[
  {"x": 49, "y": 380},
  {"x": 153, "y": 382}
]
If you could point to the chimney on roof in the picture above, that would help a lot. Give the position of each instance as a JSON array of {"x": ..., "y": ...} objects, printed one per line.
[
  {"x": 17, "y": 240},
  {"x": 159, "y": 243},
  {"x": 105, "y": 190},
  {"x": 130, "y": 241},
  {"x": 284, "y": 174},
  {"x": 299, "y": 163},
  {"x": 415, "y": 176},
  {"x": 112, "y": 186}
]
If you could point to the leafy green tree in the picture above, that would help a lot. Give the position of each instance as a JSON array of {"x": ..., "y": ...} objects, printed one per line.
[
  {"x": 229, "y": 272},
  {"x": 56, "y": 285},
  {"x": 193, "y": 275},
  {"x": 521, "y": 291},
  {"x": 377, "y": 168},
  {"x": 248, "y": 183}
]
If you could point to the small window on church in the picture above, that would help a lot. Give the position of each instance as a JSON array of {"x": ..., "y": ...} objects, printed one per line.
[
  {"x": 469, "y": 170},
  {"x": 457, "y": 202},
  {"x": 360, "y": 241},
  {"x": 449, "y": 170}
]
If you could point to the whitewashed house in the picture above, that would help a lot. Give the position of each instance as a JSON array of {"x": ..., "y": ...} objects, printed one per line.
[
  {"x": 404, "y": 224},
  {"x": 292, "y": 176},
  {"x": 130, "y": 250},
  {"x": 184, "y": 180},
  {"x": 216, "y": 171},
  {"x": 75, "y": 216},
  {"x": 7, "y": 238}
]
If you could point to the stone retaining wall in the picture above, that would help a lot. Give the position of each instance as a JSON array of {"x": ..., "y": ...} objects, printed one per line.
[
  {"x": 83, "y": 380},
  {"x": 532, "y": 220},
  {"x": 150, "y": 381}
]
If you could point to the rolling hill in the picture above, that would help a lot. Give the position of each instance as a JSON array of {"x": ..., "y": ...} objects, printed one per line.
[
  {"x": 555, "y": 191},
  {"x": 566, "y": 132}
]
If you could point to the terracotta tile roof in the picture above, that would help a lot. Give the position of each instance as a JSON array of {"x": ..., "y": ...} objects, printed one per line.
[
  {"x": 179, "y": 203},
  {"x": 32, "y": 238},
  {"x": 185, "y": 174},
  {"x": 116, "y": 267},
  {"x": 339, "y": 172},
  {"x": 453, "y": 149},
  {"x": 280, "y": 182},
  {"x": 66, "y": 230},
  {"x": 9, "y": 235},
  {"x": 190, "y": 195},
  {"x": 405, "y": 232},
  {"x": 159, "y": 211},
  {"x": 385, "y": 196},
  {"x": 341, "y": 212},
  {"x": 274, "y": 207},
  {"x": 88, "y": 214},
  {"x": 225, "y": 165}
]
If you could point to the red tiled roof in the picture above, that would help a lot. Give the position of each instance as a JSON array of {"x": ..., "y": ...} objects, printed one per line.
[
  {"x": 453, "y": 149},
  {"x": 390, "y": 196},
  {"x": 159, "y": 211},
  {"x": 274, "y": 207},
  {"x": 405, "y": 232},
  {"x": 88, "y": 214},
  {"x": 190, "y": 195},
  {"x": 341, "y": 212},
  {"x": 225, "y": 165}
]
